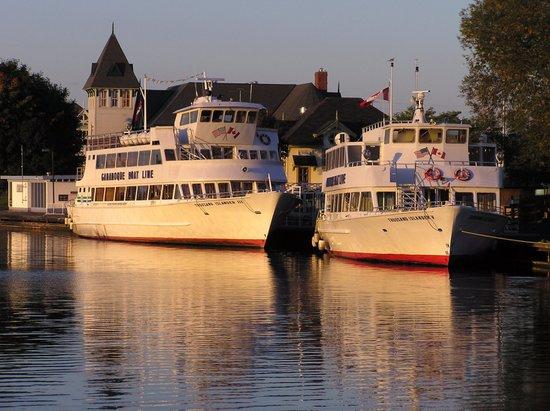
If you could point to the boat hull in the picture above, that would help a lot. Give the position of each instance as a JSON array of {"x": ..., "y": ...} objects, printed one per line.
[
  {"x": 434, "y": 236},
  {"x": 238, "y": 221}
]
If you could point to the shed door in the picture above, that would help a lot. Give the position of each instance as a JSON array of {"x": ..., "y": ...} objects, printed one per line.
[{"x": 38, "y": 195}]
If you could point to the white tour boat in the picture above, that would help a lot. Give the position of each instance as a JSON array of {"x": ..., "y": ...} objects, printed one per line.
[
  {"x": 410, "y": 192},
  {"x": 213, "y": 178}
]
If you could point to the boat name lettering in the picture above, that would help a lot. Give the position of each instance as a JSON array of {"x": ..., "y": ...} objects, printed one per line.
[
  {"x": 132, "y": 175},
  {"x": 113, "y": 176},
  {"x": 410, "y": 218},
  {"x": 219, "y": 203},
  {"x": 336, "y": 180}
]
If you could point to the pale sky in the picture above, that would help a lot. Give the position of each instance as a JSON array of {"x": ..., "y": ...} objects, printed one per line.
[{"x": 279, "y": 41}]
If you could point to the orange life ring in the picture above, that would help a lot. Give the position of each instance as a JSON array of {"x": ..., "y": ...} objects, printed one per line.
[{"x": 433, "y": 174}]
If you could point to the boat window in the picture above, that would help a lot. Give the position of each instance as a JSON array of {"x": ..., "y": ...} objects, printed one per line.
[
  {"x": 466, "y": 199},
  {"x": 93, "y": 194},
  {"x": 474, "y": 154},
  {"x": 197, "y": 189},
  {"x": 217, "y": 117},
  {"x": 223, "y": 189},
  {"x": 99, "y": 192},
  {"x": 155, "y": 157},
  {"x": 169, "y": 154},
  {"x": 263, "y": 154},
  {"x": 100, "y": 161},
  {"x": 456, "y": 136},
  {"x": 228, "y": 116},
  {"x": 354, "y": 202},
  {"x": 365, "y": 202},
  {"x": 386, "y": 200},
  {"x": 205, "y": 152},
  {"x": 272, "y": 155},
  {"x": 261, "y": 186},
  {"x": 236, "y": 188},
  {"x": 109, "y": 194},
  {"x": 144, "y": 158},
  {"x": 186, "y": 193},
  {"x": 430, "y": 135},
  {"x": 328, "y": 203},
  {"x": 387, "y": 136},
  {"x": 110, "y": 161},
  {"x": 371, "y": 153},
  {"x": 488, "y": 155},
  {"x": 132, "y": 159},
  {"x": 227, "y": 152},
  {"x": 253, "y": 154},
  {"x": 486, "y": 201},
  {"x": 119, "y": 193},
  {"x": 341, "y": 156},
  {"x": 210, "y": 190},
  {"x": 243, "y": 154},
  {"x": 354, "y": 154},
  {"x": 403, "y": 135},
  {"x": 154, "y": 192},
  {"x": 345, "y": 206},
  {"x": 121, "y": 159},
  {"x": 240, "y": 117},
  {"x": 193, "y": 116},
  {"x": 167, "y": 191},
  {"x": 205, "y": 116},
  {"x": 142, "y": 192},
  {"x": 339, "y": 202},
  {"x": 251, "y": 117},
  {"x": 216, "y": 152},
  {"x": 247, "y": 186},
  {"x": 177, "y": 192},
  {"x": 184, "y": 119},
  {"x": 130, "y": 193}
]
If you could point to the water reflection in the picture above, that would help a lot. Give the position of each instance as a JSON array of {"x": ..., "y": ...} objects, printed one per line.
[{"x": 112, "y": 324}]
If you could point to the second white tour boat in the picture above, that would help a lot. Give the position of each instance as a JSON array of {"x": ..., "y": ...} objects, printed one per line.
[{"x": 413, "y": 192}]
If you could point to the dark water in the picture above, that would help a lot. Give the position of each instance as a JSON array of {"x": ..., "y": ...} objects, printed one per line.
[{"x": 92, "y": 324}]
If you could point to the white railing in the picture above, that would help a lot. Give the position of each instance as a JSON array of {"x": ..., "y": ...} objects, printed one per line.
[{"x": 56, "y": 209}]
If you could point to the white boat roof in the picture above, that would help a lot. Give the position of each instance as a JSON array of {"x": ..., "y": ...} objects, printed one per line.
[{"x": 206, "y": 102}]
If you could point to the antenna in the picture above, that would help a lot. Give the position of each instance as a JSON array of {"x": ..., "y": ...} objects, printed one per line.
[
  {"x": 113, "y": 29},
  {"x": 416, "y": 74},
  {"x": 391, "y": 61}
]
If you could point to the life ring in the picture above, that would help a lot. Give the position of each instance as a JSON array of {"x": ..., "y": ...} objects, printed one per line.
[
  {"x": 433, "y": 174},
  {"x": 463, "y": 174},
  {"x": 265, "y": 139},
  {"x": 366, "y": 154}
]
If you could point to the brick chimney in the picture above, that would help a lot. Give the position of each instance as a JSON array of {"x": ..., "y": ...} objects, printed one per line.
[{"x": 321, "y": 79}]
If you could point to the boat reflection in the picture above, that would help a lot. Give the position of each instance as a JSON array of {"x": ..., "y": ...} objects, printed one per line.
[{"x": 207, "y": 328}]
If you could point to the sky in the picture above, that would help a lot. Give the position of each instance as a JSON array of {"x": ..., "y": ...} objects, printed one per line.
[{"x": 279, "y": 41}]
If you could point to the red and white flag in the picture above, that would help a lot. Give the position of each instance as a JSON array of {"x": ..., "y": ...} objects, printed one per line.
[{"x": 384, "y": 93}]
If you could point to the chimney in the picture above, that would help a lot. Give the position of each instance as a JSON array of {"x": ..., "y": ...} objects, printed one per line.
[{"x": 321, "y": 79}]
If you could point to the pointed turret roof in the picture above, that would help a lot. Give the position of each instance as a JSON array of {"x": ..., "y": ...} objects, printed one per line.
[{"x": 112, "y": 69}]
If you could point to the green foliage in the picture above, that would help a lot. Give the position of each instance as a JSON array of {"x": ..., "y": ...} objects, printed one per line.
[
  {"x": 431, "y": 115},
  {"x": 508, "y": 83},
  {"x": 36, "y": 114}
]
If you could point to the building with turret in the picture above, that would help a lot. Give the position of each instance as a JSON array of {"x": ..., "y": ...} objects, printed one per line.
[{"x": 112, "y": 88}]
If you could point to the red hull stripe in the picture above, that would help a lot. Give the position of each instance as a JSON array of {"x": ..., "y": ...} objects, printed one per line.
[
  {"x": 398, "y": 258},
  {"x": 198, "y": 241}
]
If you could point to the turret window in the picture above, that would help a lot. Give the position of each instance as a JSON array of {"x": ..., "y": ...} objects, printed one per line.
[
  {"x": 103, "y": 98},
  {"x": 125, "y": 98},
  {"x": 114, "y": 98}
]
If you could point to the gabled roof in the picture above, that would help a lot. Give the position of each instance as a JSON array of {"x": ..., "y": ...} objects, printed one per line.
[
  {"x": 178, "y": 97},
  {"x": 315, "y": 119},
  {"x": 112, "y": 69},
  {"x": 303, "y": 95}
]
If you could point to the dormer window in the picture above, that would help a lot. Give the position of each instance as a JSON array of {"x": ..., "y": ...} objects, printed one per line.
[{"x": 117, "y": 70}]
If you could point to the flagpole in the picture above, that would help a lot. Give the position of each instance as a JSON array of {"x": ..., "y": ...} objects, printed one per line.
[
  {"x": 145, "y": 103},
  {"x": 391, "y": 88},
  {"x": 416, "y": 74}
]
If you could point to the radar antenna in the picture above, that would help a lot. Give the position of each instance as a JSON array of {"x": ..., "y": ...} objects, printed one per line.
[{"x": 418, "y": 100}]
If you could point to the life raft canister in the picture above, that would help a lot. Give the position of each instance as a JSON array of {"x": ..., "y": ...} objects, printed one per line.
[
  {"x": 433, "y": 174},
  {"x": 463, "y": 174}
]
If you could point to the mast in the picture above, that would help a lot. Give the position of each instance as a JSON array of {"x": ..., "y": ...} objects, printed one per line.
[
  {"x": 145, "y": 103},
  {"x": 391, "y": 88},
  {"x": 416, "y": 74}
]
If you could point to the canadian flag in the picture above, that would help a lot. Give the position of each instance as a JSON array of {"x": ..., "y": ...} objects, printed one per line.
[{"x": 384, "y": 93}]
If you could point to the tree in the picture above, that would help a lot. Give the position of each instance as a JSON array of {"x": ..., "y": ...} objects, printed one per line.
[
  {"x": 508, "y": 83},
  {"x": 37, "y": 115},
  {"x": 431, "y": 115}
]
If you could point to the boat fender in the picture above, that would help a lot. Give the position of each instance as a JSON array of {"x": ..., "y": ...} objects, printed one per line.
[
  {"x": 321, "y": 245},
  {"x": 315, "y": 240},
  {"x": 433, "y": 174},
  {"x": 463, "y": 174}
]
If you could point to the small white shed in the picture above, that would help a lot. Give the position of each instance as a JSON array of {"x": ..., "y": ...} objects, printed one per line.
[{"x": 45, "y": 194}]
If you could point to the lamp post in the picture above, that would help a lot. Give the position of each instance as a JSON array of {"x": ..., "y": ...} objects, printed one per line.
[{"x": 45, "y": 150}]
